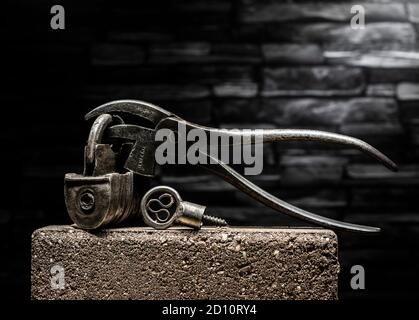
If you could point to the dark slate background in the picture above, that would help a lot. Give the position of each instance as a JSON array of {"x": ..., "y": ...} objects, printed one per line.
[{"x": 232, "y": 63}]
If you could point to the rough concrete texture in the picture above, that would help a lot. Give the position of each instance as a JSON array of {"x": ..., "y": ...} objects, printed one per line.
[{"x": 213, "y": 263}]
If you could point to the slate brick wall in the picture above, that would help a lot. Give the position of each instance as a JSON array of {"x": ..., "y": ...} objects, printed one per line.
[{"x": 231, "y": 63}]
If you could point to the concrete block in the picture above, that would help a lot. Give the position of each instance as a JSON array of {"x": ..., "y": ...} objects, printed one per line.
[
  {"x": 107, "y": 54},
  {"x": 377, "y": 36},
  {"x": 315, "y": 112},
  {"x": 293, "y": 53},
  {"x": 312, "y": 81},
  {"x": 213, "y": 263},
  {"x": 256, "y": 11}
]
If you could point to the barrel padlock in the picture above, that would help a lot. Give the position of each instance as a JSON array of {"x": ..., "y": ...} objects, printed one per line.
[{"x": 101, "y": 195}]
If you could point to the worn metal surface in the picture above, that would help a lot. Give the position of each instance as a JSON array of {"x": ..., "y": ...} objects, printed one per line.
[
  {"x": 93, "y": 202},
  {"x": 213, "y": 263},
  {"x": 141, "y": 158}
]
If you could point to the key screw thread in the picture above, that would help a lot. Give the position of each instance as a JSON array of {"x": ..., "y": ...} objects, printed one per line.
[{"x": 214, "y": 220}]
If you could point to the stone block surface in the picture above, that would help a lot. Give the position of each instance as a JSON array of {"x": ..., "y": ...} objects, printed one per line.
[{"x": 213, "y": 263}]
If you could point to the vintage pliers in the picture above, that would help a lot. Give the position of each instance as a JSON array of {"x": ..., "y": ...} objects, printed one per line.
[{"x": 141, "y": 158}]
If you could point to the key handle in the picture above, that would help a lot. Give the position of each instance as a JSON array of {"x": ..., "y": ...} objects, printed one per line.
[{"x": 161, "y": 206}]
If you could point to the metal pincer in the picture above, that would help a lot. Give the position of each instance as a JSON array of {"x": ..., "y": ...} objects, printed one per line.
[{"x": 141, "y": 159}]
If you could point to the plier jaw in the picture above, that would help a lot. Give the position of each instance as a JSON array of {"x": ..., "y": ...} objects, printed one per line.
[
  {"x": 141, "y": 158},
  {"x": 141, "y": 109}
]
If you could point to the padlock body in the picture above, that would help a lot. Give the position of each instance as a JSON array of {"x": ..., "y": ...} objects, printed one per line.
[{"x": 96, "y": 201}]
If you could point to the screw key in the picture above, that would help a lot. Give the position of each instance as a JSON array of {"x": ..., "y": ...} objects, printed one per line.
[{"x": 162, "y": 206}]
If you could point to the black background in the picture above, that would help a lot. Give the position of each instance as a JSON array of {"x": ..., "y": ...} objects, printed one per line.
[{"x": 208, "y": 62}]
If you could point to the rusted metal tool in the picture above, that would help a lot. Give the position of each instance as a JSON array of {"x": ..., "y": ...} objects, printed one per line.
[{"x": 137, "y": 146}]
